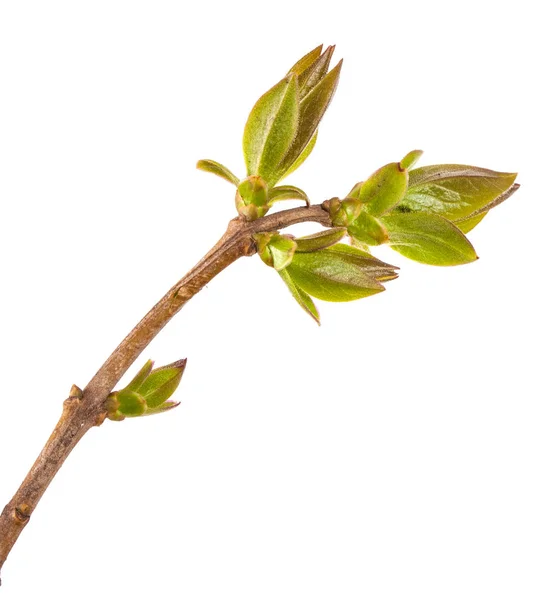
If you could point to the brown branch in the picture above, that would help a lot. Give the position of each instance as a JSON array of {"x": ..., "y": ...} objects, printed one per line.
[{"x": 83, "y": 410}]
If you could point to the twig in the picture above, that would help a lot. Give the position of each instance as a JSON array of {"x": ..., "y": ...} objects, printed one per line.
[{"x": 84, "y": 410}]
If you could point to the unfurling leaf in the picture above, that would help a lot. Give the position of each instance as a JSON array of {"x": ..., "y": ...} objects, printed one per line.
[
  {"x": 343, "y": 212},
  {"x": 410, "y": 159},
  {"x": 141, "y": 376},
  {"x": 355, "y": 191},
  {"x": 300, "y": 296},
  {"x": 168, "y": 405},
  {"x": 330, "y": 276},
  {"x": 311, "y": 110},
  {"x": 271, "y": 128},
  {"x": 161, "y": 384},
  {"x": 368, "y": 230},
  {"x": 321, "y": 240},
  {"x": 453, "y": 191},
  {"x": 281, "y": 130},
  {"x": 211, "y": 166},
  {"x": 252, "y": 198},
  {"x": 274, "y": 249},
  {"x": 315, "y": 72},
  {"x": 282, "y": 250},
  {"x": 131, "y": 404},
  {"x": 147, "y": 393},
  {"x": 302, "y": 156},
  {"x": 287, "y": 192},
  {"x": 306, "y": 61},
  {"x": 384, "y": 189},
  {"x": 429, "y": 239}
]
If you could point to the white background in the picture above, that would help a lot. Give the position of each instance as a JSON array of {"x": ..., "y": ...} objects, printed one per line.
[{"x": 398, "y": 451}]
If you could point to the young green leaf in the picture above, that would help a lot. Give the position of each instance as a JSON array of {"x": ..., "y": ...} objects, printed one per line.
[
  {"x": 453, "y": 191},
  {"x": 168, "y": 405},
  {"x": 274, "y": 249},
  {"x": 466, "y": 225},
  {"x": 304, "y": 300},
  {"x": 321, "y": 240},
  {"x": 355, "y": 191},
  {"x": 211, "y": 166},
  {"x": 311, "y": 110},
  {"x": 371, "y": 265},
  {"x": 384, "y": 189},
  {"x": 147, "y": 393},
  {"x": 282, "y": 249},
  {"x": 287, "y": 192},
  {"x": 141, "y": 376},
  {"x": 429, "y": 239},
  {"x": 252, "y": 198},
  {"x": 358, "y": 244},
  {"x": 332, "y": 277},
  {"x": 253, "y": 190},
  {"x": 160, "y": 385},
  {"x": 306, "y": 61},
  {"x": 410, "y": 159},
  {"x": 302, "y": 157},
  {"x": 368, "y": 229},
  {"x": 131, "y": 404},
  {"x": 271, "y": 128},
  {"x": 315, "y": 72},
  {"x": 343, "y": 212}
]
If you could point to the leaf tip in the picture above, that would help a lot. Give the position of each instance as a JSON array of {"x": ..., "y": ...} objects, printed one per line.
[{"x": 179, "y": 364}]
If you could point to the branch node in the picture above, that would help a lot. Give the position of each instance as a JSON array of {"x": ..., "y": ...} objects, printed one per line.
[
  {"x": 21, "y": 514},
  {"x": 76, "y": 392}
]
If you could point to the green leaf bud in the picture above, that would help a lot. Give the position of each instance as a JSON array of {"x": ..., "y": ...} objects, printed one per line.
[
  {"x": 384, "y": 189},
  {"x": 147, "y": 393},
  {"x": 252, "y": 198},
  {"x": 274, "y": 249},
  {"x": 343, "y": 212},
  {"x": 111, "y": 406}
]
